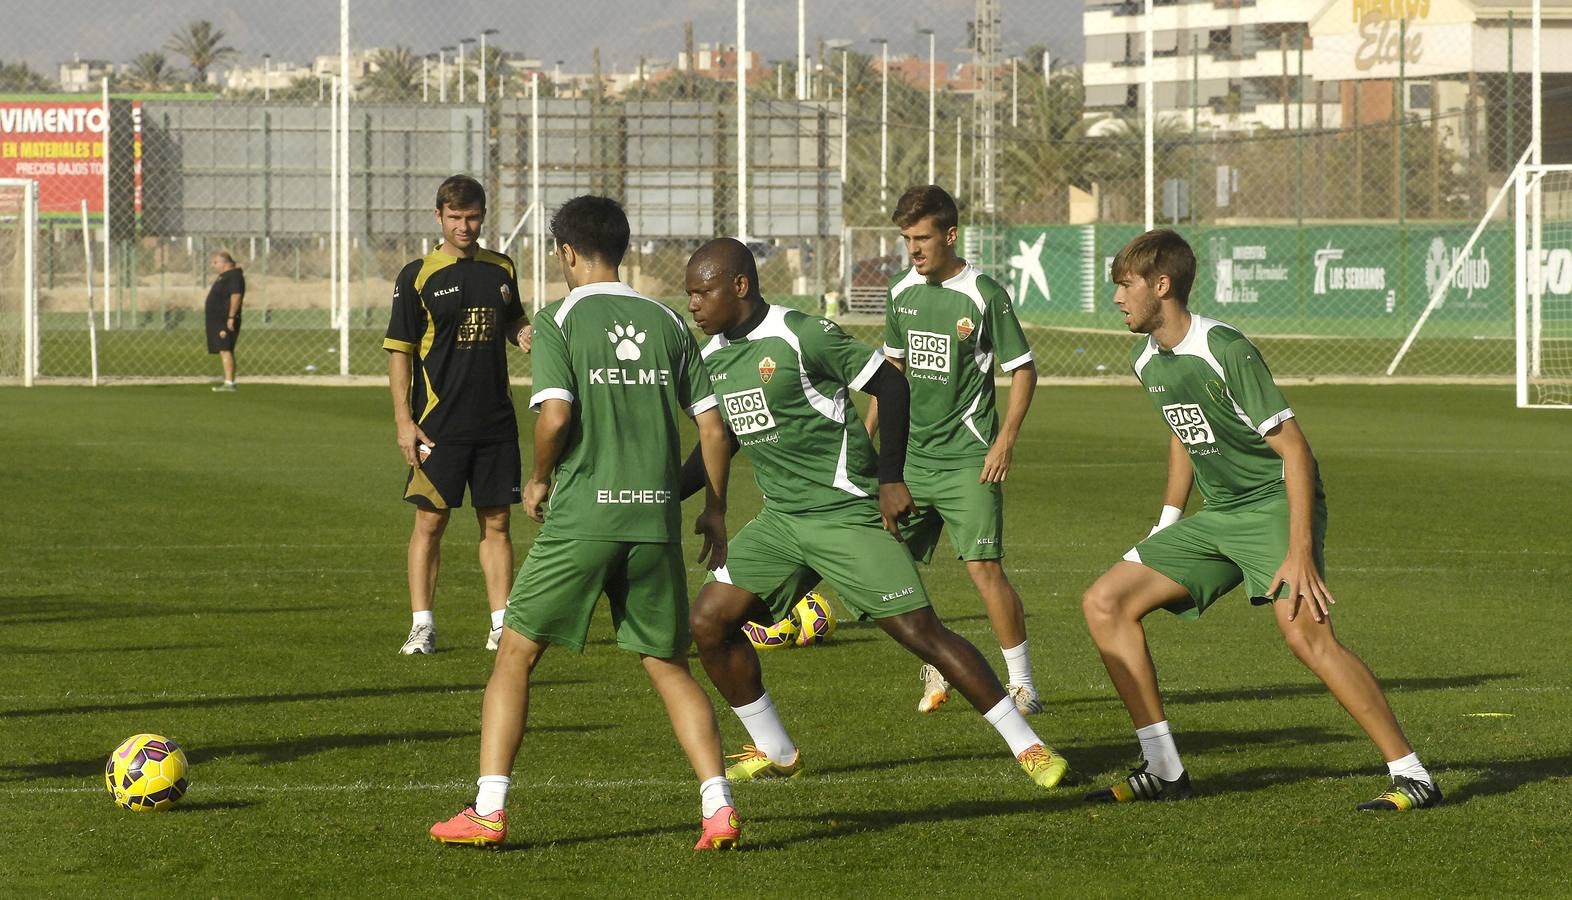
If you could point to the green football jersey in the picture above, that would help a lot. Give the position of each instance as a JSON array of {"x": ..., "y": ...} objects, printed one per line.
[
  {"x": 1217, "y": 395},
  {"x": 629, "y": 365},
  {"x": 949, "y": 336},
  {"x": 783, "y": 391}
]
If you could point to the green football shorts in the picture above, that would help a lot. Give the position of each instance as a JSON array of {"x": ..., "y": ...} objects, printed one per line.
[
  {"x": 1211, "y": 552},
  {"x": 773, "y": 555},
  {"x": 556, "y": 590},
  {"x": 953, "y": 499}
]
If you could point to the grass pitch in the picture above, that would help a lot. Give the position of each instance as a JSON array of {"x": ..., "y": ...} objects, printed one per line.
[{"x": 229, "y": 571}]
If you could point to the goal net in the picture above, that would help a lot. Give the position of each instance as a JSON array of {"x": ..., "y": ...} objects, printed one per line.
[
  {"x": 18, "y": 287},
  {"x": 1544, "y": 287}
]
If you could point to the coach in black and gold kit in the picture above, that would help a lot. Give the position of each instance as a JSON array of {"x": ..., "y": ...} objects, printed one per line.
[{"x": 453, "y": 311}]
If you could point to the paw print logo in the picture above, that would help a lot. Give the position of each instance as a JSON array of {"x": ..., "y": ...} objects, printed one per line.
[{"x": 627, "y": 338}]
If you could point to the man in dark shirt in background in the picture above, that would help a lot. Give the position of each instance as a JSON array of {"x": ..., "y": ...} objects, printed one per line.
[{"x": 224, "y": 300}]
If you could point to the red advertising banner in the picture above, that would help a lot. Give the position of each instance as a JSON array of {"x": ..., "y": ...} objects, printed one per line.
[{"x": 61, "y": 146}]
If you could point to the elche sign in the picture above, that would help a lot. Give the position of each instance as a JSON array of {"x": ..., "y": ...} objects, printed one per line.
[{"x": 1356, "y": 39}]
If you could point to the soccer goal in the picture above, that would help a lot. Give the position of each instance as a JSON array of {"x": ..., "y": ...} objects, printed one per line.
[
  {"x": 1544, "y": 287},
  {"x": 18, "y": 279}
]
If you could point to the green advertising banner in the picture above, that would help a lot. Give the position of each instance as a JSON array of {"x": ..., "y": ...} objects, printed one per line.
[{"x": 1359, "y": 280}]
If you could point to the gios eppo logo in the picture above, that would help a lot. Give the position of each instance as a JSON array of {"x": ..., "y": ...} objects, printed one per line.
[
  {"x": 1188, "y": 423},
  {"x": 747, "y": 411},
  {"x": 929, "y": 351}
]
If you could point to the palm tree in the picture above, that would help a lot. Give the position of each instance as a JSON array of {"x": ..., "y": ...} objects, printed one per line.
[
  {"x": 150, "y": 71},
  {"x": 394, "y": 76},
  {"x": 203, "y": 45},
  {"x": 20, "y": 77}
]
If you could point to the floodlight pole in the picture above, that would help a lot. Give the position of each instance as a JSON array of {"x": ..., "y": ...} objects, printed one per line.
[
  {"x": 425, "y": 78},
  {"x": 932, "y": 173},
  {"x": 802, "y": 49},
  {"x": 742, "y": 119},
  {"x": 884, "y": 128},
  {"x": 442, "y": 74},
  {"x": 845, "y": 117},
  {"x": 537, "y": 202},
  {"x": 107, "y": 295},
  {"x": 343, "y": 189},
  {"x": 1150, "y": 113},
  {"x": 333, "y": 204},
  {"x": 461, "y": 44},
  {"x": 483, "y": 63},
  {"x": 1015, "y": 93},
  {"x": 267, "y": 76}
]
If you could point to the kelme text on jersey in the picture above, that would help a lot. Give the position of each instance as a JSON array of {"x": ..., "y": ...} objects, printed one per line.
[{"x": 629, "y": 377}]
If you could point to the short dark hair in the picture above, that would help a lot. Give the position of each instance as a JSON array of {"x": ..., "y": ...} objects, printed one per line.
[
  {"x": 926, "y": 200},
  {"x": 1160, "y": 251},
  {"x": 461, "y": 192},
  {"x": 595, "y": 227}
]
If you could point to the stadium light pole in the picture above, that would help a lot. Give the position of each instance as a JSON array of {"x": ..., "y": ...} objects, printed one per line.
[
  {"x": 425, "y": 78},
  {"x": 884, "y": 126},
  {"x": 932, "y": 173},
  {"x": 483, "y": 34},
  {"x": 1015, "y": 93},
  {"x": 1150, "y": 114},
  {"x": 267, "y": 79},
  {"x": 742, "y": 119},
  {"x": 845, "y": 99},
  {"x": 802, "y": 50},
  {"x": 463, "y": 42},
  {"x": 442, "y": 74}
]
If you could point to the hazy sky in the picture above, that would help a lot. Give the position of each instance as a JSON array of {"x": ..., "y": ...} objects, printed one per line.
[{"x": 44, "y": 34}]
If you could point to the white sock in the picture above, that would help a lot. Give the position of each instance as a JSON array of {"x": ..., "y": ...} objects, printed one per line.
[
  {"x": 1011, "y": 725},
  {"x": 425, "y": 617},
  {"x": 1019, "y": 661},
  {"x": 1157, "y": 748},
  {"x": 714, "y": 794},
  {"x": 768, "y": 732},
  {"x": 1409, "y": 767},
  {"x": 496, "y": 617},
  {"x": 493, "y": 794}
]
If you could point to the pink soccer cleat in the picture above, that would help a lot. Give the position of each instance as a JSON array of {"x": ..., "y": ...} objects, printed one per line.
[
  {"x": 722, "y": 831},
  {"x": 469, "y": 827}
]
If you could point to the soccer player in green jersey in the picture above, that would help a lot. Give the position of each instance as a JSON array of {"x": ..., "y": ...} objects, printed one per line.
[
  {"x": 831, "y": 507},
  {"x": 612, "y": 372},
  {"x": 455, "y": 310},
  {"x": 945, "y": 324},
  {"x": 1262, "y": 522}
]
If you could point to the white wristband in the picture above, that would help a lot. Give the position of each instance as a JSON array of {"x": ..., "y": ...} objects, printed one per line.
[{"x": 1169, "y": 515}]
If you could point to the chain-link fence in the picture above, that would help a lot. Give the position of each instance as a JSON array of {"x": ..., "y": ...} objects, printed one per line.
[{"x": 1328, "y": 160}]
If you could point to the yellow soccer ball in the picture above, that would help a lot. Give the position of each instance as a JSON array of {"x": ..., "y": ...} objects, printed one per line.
[{"x": 147, "y": 772}]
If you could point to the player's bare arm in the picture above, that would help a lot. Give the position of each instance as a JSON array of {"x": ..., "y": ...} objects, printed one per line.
[
  {"x": 1181, "y": 475},
  {"x": 871, "y": 420},
  {"x": 409, "y": 435},
  {"x": 1298, "y": 571},
  {"x": 693, "y": 476},
  {"x": 715, "y": 449},
  {"x": 1023, "y": 386},
  {"x": 551, "y": 436}
]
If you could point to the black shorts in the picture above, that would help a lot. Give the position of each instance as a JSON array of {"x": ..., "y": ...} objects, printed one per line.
[
  {"x": 227, "y": 342},
  {"x": 491, "y": 471}
]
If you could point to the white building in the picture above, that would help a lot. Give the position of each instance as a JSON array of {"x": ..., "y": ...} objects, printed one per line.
[
  {"x": 81, "y": 75},
  {"x": 1238, "y": 64},
  {"x": 1233, "y": 63}
]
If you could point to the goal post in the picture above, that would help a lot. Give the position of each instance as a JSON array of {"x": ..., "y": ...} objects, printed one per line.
[
  {"x": 18, "y": 280},
  {"x": 1543, "y": 286}
]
